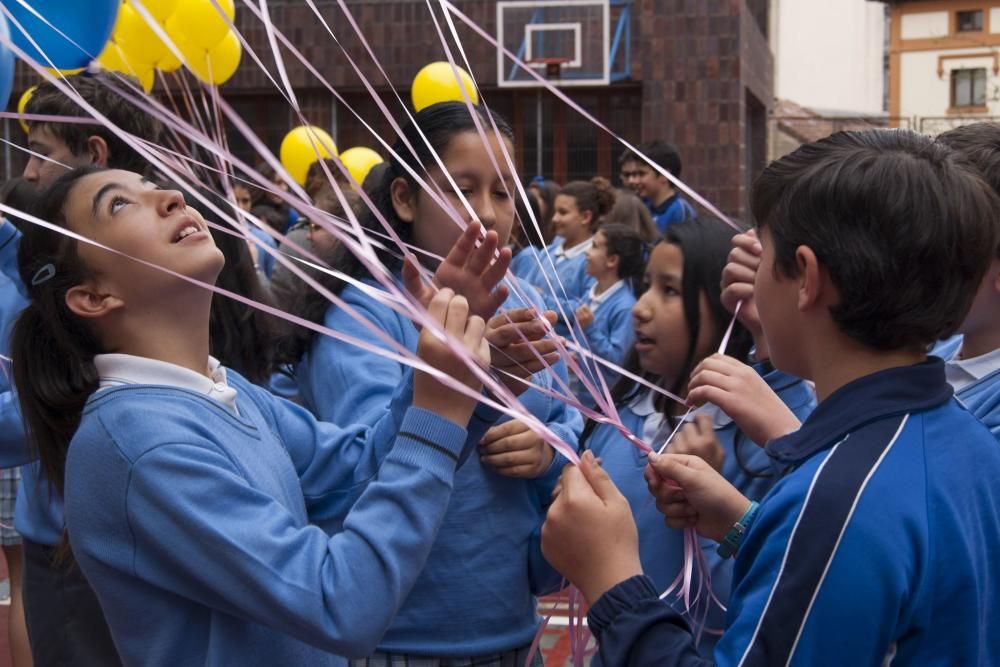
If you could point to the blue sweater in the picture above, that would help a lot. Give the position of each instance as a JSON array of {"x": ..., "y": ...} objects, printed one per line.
[
  {"x": 673, "y": 210},
  {"x": 881, "y": 540},
  {"x": 982, "y": 397},
  {"x": 38, "y": 514},
  {"x": 609, "y": 336},
  {"x": 13, "y": 445},
  {"x": 192, "y": 524},
  {"x": 746, "y": 466},
  {"x": 568, "y": 278},
  {"x": 476, "y": 595}
]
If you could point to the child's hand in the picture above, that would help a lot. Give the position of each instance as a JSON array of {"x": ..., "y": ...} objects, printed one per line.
[
  {"x": 737, "y": 284},
  {"x": 452, "y": 313},
  {"x": 585, "y": 316},
  {"x": 743, "y": 395},
  {"x": 514, "y": 450},
  {"x": 696, "y": 495},
  {"x": 474, "y": 272},
  {"x": 519, "y": 345},
  {"x": 697, "y": 438},
  {"x": 589, "y": 534}
]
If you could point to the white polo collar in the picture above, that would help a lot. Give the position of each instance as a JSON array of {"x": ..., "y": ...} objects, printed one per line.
[
  {"x": 960, "y": 373},
  {"x": 114, "y": 370},
  {"x": 596, "y": 299},
  {"x": 570, "y": 253}
]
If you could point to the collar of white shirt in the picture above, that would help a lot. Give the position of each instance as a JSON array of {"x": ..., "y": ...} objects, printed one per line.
[
  {"x": 115, "y": 370},
  {"x": 960, "y": 373},
  {"x": 562, "y": 252},
  {"x": 596, "y": 299}
]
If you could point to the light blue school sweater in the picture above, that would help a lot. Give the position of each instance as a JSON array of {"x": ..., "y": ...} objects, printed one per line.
[
  {"x": 14, "y": 449},
  {"x": 609, "y": 336},
  {"x": 38, "y": 514},
  {"x": 746, "y": 466},
  {"x": 192, "y": 523},
  {"x": 982, "y": 397},
  {"x": 568, "y": 280},
  {"x": 477, "y": 594}
]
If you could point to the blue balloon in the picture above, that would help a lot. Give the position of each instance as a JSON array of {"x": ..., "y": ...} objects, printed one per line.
[
  {"x": 6, "y": 64},
  {"x": 89, "y": 24}
]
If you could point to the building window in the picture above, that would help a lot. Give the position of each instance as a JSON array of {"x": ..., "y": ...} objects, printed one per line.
[
  {"x": 970, "y": 21},
  {"x": 968, "y": 87}
]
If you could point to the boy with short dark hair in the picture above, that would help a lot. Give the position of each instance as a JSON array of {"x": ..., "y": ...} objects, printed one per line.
[
  {"x": 665, "y": 203},
  {"x": 68, "y": 145},
  {"x": 878, "y": 545}
]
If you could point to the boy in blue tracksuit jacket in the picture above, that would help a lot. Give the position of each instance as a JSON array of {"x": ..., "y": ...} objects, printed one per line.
[
  {"x": 877, "y": 544},
  {"x": 476, "y": 595}
]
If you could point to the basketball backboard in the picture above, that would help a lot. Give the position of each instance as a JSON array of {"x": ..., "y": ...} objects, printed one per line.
[{"x": 565, "y": 41}]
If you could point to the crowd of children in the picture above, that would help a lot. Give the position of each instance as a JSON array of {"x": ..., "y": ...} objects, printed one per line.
[{"x": 204, "y": 483}]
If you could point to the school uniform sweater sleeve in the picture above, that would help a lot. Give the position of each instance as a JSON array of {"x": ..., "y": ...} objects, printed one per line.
[
  {"x": 610, "y": 339},
  {"x": 634, "y": 628},
  {"x": 10, "y": 238},
  {"x": 194, "y": 526},
  {"x": 14, "y": 450},
  {"x": 342, "y": 384}
]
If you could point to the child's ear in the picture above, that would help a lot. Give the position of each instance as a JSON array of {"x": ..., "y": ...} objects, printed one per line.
[
  {"x": 98, "y": 149},
  {"x": 586, "y": 217},
  {"x": 85, "y": 300},
  {"x": 811, "y": 278},
  {"x": 613, "y": 261},
  {"x": 404, "y": 200}
]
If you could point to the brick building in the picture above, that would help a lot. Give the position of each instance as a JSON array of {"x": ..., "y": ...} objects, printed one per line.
[{"x": 700, "y": 74}]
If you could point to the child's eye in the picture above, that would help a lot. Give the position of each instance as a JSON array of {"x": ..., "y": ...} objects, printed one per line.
[
  {"x": 117, "y": 203},
  {"x": 502, "y": 194}
]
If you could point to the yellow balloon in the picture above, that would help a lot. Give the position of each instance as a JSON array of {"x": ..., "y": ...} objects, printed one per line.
[
  {"x": 137, "y": 38},
  {"x": 160, "y": 9},
  {"x": 437, "y": 83},
  {"x": 169, "y": 62},
  {"x": 359, "y": 161},
  {"x": 217, "y": 65},
  {"x": 22, "y": 103},
  {"x": 199, "y": 23},
  {"x": 302, "y": 146},
  {"x": 65, "y": 72},
  {"x": 114, "y": 59}
]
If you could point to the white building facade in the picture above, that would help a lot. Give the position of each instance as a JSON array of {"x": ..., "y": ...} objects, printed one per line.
[{"x": 944, "y": 62}]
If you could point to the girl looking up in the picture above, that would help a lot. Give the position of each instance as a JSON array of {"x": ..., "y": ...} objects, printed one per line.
[
  {"x": 188, "y": 490},
  {"x": 475, "y": 600},
  {"x": 680, "y": 321}
]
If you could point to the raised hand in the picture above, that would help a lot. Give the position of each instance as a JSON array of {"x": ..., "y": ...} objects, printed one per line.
[
  {"x": 692, "y": 494},
  {"x": 475, "y": 271},
  {"x": 589, "y": 534},
  {"x": 740, "y": 392},
  {"x": 584, "y": 316},
  {"x": 737, "y": 285},
  {"x": 520, "y": 345},
  {"x": 451, "y": 313},
  {"x": 697, "y": 438},
  {"x": 514, "y": 450}
]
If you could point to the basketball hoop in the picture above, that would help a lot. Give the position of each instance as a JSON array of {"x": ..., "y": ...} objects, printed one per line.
[{"x": 553, "y": 66}]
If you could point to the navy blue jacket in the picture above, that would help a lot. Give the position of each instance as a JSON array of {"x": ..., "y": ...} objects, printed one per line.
[{"x": 880, "y": 542}]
